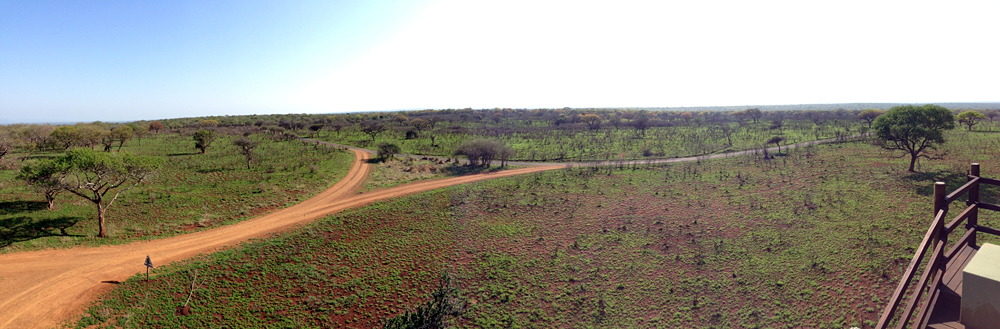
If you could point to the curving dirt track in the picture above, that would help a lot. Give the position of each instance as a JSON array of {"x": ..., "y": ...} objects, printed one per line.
[{"x": 40, "y": 289}]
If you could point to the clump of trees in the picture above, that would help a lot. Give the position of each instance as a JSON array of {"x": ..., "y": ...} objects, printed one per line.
[
  {"x": 913, "y": 129},
  {"x": 90, "y": 175},
  {"x": 482, "y": 152}
]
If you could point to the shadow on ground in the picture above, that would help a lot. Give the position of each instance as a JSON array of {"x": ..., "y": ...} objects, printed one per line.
[
  {"x": 23, "y": 228},
  {"x": 924, "y": 181},
  {"x": 17, "y": 207}
]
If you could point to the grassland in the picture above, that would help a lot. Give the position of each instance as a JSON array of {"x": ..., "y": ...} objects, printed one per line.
[
  {"x": 816, "y": 237},
  {"x": 191, "y": 192},
  {"x": 538, "y": 140}
]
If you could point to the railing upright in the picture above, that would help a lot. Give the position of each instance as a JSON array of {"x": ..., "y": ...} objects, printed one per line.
[
  {"x": 940, "y": 203},
  {"x": 973, "y": 220}
]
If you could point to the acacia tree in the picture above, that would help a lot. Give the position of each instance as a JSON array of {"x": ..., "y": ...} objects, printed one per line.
[
  {"x": 482, "y": 151},
  {"x": 992, "y": 114},
  {"x": 121, "y": 134},
  {"x": 45, "y": 177},
  {"x": 203, "y": 139},
  {"x": 776, "y": 140},
  {"x": 156, "y": 126},
  {"x": 970, "y": 118},
  {"x": 93, "y": 176},
  {"x": 373, "y": 129},
  {"x": 869, "y": 116},
  {"x": 7, "y": 141},
  {"x": 139, "y": 131},
  {"x": 387, "y": 150},
  {"x": 913, "y": 129},
  {"x": 246, "y": 148}
]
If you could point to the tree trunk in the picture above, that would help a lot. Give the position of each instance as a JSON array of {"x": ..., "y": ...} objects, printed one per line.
[
  {"x": 100, "y": 220},
  {"x": 913, "y": 160}
]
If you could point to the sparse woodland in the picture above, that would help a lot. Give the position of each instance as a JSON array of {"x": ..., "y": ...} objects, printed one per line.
[{"x": 812, "y": 236}]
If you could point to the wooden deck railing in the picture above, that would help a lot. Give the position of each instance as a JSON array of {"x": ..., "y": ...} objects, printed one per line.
[{"x": 937, "y": 238}]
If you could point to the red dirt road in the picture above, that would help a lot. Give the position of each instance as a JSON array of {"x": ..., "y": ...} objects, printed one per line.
[{"x": 41, "y": 289}]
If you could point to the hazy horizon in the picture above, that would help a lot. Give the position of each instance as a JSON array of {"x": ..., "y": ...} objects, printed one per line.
[
  {"x": 65, "y": 61},
  {"x": 770, "y": 107}
]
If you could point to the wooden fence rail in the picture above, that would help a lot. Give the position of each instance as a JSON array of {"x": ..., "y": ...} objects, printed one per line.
[{"x": 936, "y": 239}]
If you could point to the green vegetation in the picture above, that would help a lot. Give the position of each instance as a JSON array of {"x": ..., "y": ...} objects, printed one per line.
[
  {"x": 970, "y": 118},
  {"x": 914, "y": 129},
  {"x": 90, "y": 175},
  {"x": 189, "y": 192},
  {"x": 815, "y": 238}
]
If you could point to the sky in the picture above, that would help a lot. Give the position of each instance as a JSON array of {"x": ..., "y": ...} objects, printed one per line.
[{"x": 76, "y": 61}]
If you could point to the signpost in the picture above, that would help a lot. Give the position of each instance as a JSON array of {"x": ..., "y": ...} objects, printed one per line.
[{"x": 149, "y": 265}]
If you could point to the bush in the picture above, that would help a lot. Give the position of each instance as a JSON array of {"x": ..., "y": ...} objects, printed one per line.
[
  {"x": 482, "y": 152},
  {"x": 386, "y": 150}
]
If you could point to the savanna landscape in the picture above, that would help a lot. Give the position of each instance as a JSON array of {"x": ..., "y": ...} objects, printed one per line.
[{"x": 502, "y": 218}]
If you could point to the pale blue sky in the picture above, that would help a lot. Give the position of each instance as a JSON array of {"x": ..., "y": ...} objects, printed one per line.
[{"x": 68, "y": 61}]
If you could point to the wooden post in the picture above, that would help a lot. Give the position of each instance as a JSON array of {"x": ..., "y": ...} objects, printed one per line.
[
  {"x": 973, "y": 220},
  {"x": 939, "y": 203}
]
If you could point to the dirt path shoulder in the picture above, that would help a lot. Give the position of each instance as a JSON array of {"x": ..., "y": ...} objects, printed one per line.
[{"x": 40, "y": 289}]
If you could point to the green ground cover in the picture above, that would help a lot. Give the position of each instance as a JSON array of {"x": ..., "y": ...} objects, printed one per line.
[
  {"x": 191, "y": 192},
  {"x": 537, "y": 140},
  {"x": 816, "y": 237}
]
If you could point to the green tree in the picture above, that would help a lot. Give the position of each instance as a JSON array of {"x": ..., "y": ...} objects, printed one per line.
[
  {"x": 869, "y": 116},
  {"x": 66, "y": 136},
  {"x": 593, "y": 121},
  {"x": 373, "y": 129},
  {"x": 481, "y": 152},
  {"x": 203, "y": 139},
  {"x": 913, "y": 129},
  {"x": 45, "y": 177},
  {"x": 970, "y": 118},
  {"x": 246, "y": 148},
  {"x": 93, "y": 176},
  {"x": 121, "y": 134},
  {"x": 386, "y": 150},
  {"x": 139, "y": 130},
  {"x": 776, "y": 140}
]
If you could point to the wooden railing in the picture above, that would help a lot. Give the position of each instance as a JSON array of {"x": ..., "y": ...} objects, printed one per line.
[{"x": 936, "y": 239}]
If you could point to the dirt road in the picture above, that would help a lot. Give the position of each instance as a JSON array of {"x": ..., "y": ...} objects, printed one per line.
[{"x": 40, "y": 289}]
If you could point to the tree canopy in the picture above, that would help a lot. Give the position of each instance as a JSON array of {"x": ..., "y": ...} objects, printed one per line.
[
  {"x": 203, "y": 139},
  {"x": 91, "y": 175},
  {"x": 970, "y": 118},
  {"x": 913, "y": 129}
]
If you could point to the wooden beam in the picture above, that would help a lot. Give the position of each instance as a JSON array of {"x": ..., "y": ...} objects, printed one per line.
[
  {"x": 925, "y": 312},
  {"x": 988, "y": 206},
  {"x": 960, "y": 244},
  {"x": 988, "y": 181},
  {"x": 988, "y": 230},
  {"x": 958, "y": 220},
  {"x": 961, "y": 190},
  {"x": 890, "y": 309},
  {"x": 918, "y": 291}
]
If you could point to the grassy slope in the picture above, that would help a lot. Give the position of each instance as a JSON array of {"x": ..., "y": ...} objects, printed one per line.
[
  {"x": 191, "y": 192},
  {"x": 815, "y": 238}
]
